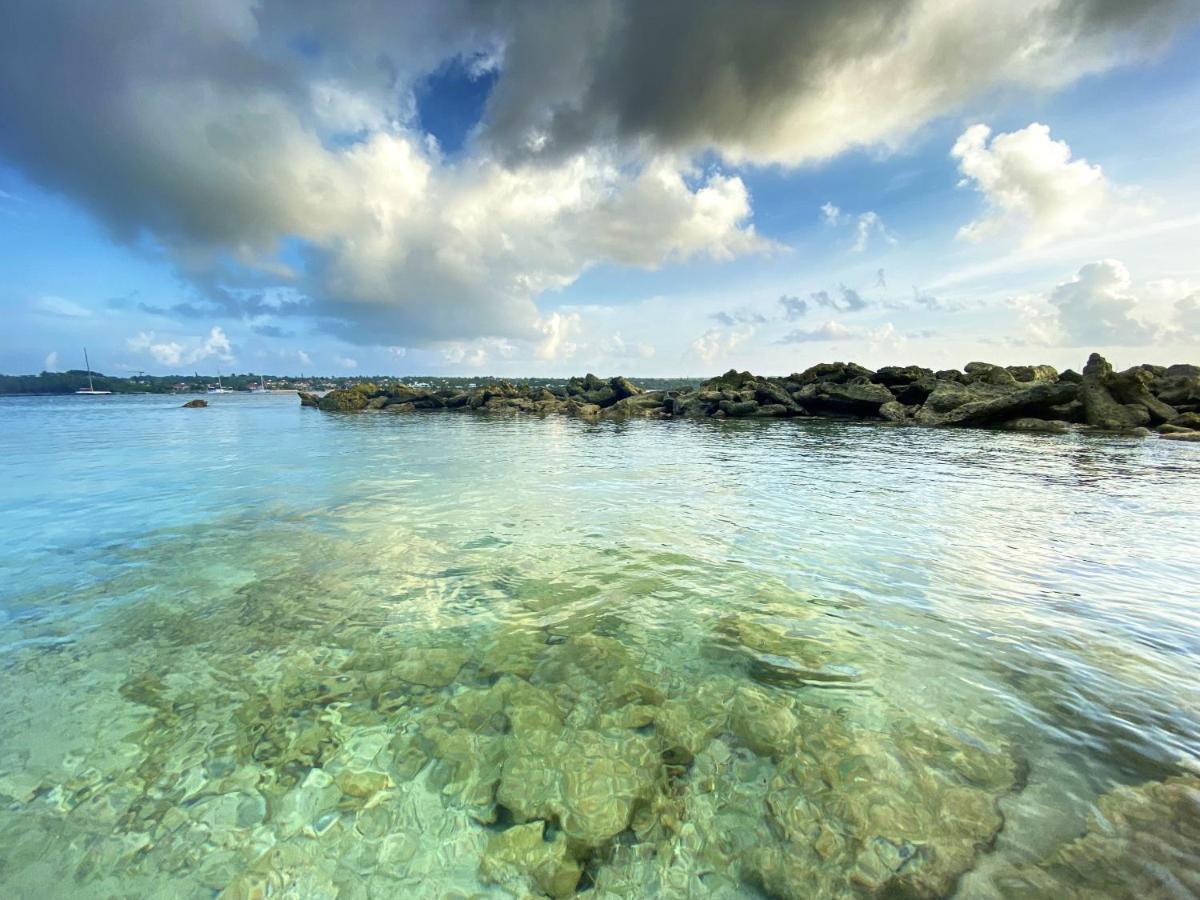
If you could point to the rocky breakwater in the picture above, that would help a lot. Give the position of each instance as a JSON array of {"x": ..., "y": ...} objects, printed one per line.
[{"x": 1024, "y": 398}]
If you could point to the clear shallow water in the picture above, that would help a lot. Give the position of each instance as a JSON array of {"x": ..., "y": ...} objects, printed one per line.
[{"x": 265, "y": 651}]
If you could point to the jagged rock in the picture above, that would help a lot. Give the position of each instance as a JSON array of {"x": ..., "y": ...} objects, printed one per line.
[
  {"x": 1132, "y": 387},
  {"x": 636, "y": 405},
  {"x": 1180, "y": 391},
  {"x": 853, "y": 399},
  {"x": 200, "y": 404},
  {"x": 950, "y": 375},
  {"x": 1033, "y": 373},
  {"x": 1182, "y": 370},
  {"x": 898, "y": 376},
  {"x": 1100, "y": 407},
  {"x": 1008, "y": 405},
  {"x": 621, "y": 388},
  {"x": 916, "y": 392},
  {"x": 523, "y": 851},
  {"x": 894, "y": 411},
  {"x": 350, "y": 400},
  {"x": 835, "y": 373},
  {"x": 307, "y": 399},
  {"x": 986, "y": 373},
  {"x": 1070, "y": 376},
  {"x": 768, "y": 393}
]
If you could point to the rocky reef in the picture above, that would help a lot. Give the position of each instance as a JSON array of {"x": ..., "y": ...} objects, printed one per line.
[{"x": 1021, "y": 398}]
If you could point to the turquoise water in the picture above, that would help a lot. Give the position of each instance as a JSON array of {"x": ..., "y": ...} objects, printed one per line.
[{"x": 258, "y": 650}]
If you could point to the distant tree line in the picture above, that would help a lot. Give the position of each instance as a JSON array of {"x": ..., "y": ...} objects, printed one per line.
[{"x": 75, "y": 379}]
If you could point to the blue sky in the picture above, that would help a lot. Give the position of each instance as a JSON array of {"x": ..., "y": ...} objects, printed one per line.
[{"x": 503, "y": 192}]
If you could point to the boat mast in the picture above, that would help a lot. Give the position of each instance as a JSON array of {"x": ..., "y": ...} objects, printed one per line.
[{"x": 88, "y": 363}]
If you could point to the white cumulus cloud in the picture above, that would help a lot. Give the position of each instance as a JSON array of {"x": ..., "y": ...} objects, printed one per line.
[{"x": 1030, "y": 182}]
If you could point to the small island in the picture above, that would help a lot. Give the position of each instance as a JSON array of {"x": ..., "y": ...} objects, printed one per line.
[{"x": 1023, "y": 398}]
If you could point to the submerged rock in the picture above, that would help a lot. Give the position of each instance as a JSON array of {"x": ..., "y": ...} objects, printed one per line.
[
  {"x": 195, "y": 404},
  {"x": 524, "y": 851}
]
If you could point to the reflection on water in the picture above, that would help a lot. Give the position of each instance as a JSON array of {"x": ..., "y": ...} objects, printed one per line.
[{"x": 257, "y": 651}]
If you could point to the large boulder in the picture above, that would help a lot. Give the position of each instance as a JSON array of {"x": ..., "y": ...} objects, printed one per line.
[
  {"x": 986, "y": 373},
  {"x": 1012, "y": 404},
  {"x": 1181, "y": 391},
  {"x": 1101, "y": 409},
  {"x": 1033, "y": 373},
  {"x": 895, "y": 376},
  {"x": 351, "y": 400},
  {"x": 307, "y": 399},
  {"x": 622, "y": 387},
  {"x": 845, "y": 399},
  {"x": 836, "y": 373},
  {"x": 1132, "y": 386}
]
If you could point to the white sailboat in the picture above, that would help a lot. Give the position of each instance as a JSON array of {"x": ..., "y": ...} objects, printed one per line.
[
  {"x": 261, "y": 387},
  {"x": 220, "y": 388},
  {"x": 91, "y": 388}
]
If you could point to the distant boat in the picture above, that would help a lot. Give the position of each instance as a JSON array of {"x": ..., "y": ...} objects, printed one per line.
[
  {"x": 220, "y": 388},
  {"x": 91, "y": 388},
  {"x": 260, "y": 388}
]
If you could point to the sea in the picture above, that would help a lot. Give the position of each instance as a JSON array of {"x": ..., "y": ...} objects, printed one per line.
[{"x": 258, "y": 650}]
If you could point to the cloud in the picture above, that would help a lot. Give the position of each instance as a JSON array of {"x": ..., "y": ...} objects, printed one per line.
[
  {"x": 58, "y": 306},
  {"x": 717, "y": 343},
  {"x": 828, "y": 331},
  {"x": 865, "y": 225},
  {"x": 304, "y": 358},
  {"x": 1031, "y": 183},
  {"x": 617, "y": 347},
  {"x": 1096, "y": 308},
  {"x": 1187, "y": 315},
  {"x": 273, "y": 331},
  {"x": 51, "y": 363},
  {"x": 346, "y": 362},
  {"x": 781, "y": 82},
  {"x": 214, "y": 133},
  {"x": 739, "y": 317},
  {"x": 557, "y": 330},
  {"x": 187, "y": 351},
  {"x": 847, "y": 300},
  {"x": 793, "y": 307}
]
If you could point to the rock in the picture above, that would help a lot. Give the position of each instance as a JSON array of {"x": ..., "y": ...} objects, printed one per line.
[
  {"x": 1181, "y": 436},
  {"x": 1142, "y": 842},
  {"x": 1070, "y": 376},
  {"x": 950, "y": 375},
  {"x": 1180, "y": 391},
  {"x": 916, "y": 392},
  {"x": 1182, "y": 370},
  {"x": 363, "y": 785},
  {"x": 736, "y": 408},
  {"x": 986, "y": 373},
  {"x": 523, "y": 851},
  {"x": 1031, "y": 424},
  {"x": 1100, "y": 408},
  {"x": 344, "y": 401},
  {"x": 898, "y": 376},
  {"x": 430, "y": 667},
  {"x": 307, "y": 399},
  {"x": 1033, "y": 373},
  {"x": 1131, "y": 387},
  {"x": 763, "y": 723},
  {"x": 835, "y": 373},
  {"x": 622, "y": 388},
  {"x": 894, "y": 411},
  {"x": 1167, "y": 428},
  {"x": 1190, "y": 420},
  {"x": 200, "y": 404},
  {"x": 769, "y": 394},
  {"x": 1007, "y": 405},
  {"x": 850, "y": 399}
]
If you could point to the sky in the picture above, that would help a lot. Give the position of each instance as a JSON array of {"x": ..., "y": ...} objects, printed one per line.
[{"x": 655, "y": 189}]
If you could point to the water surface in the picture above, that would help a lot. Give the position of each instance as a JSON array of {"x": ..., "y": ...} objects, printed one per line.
[{"x": 257, "y": 650}]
